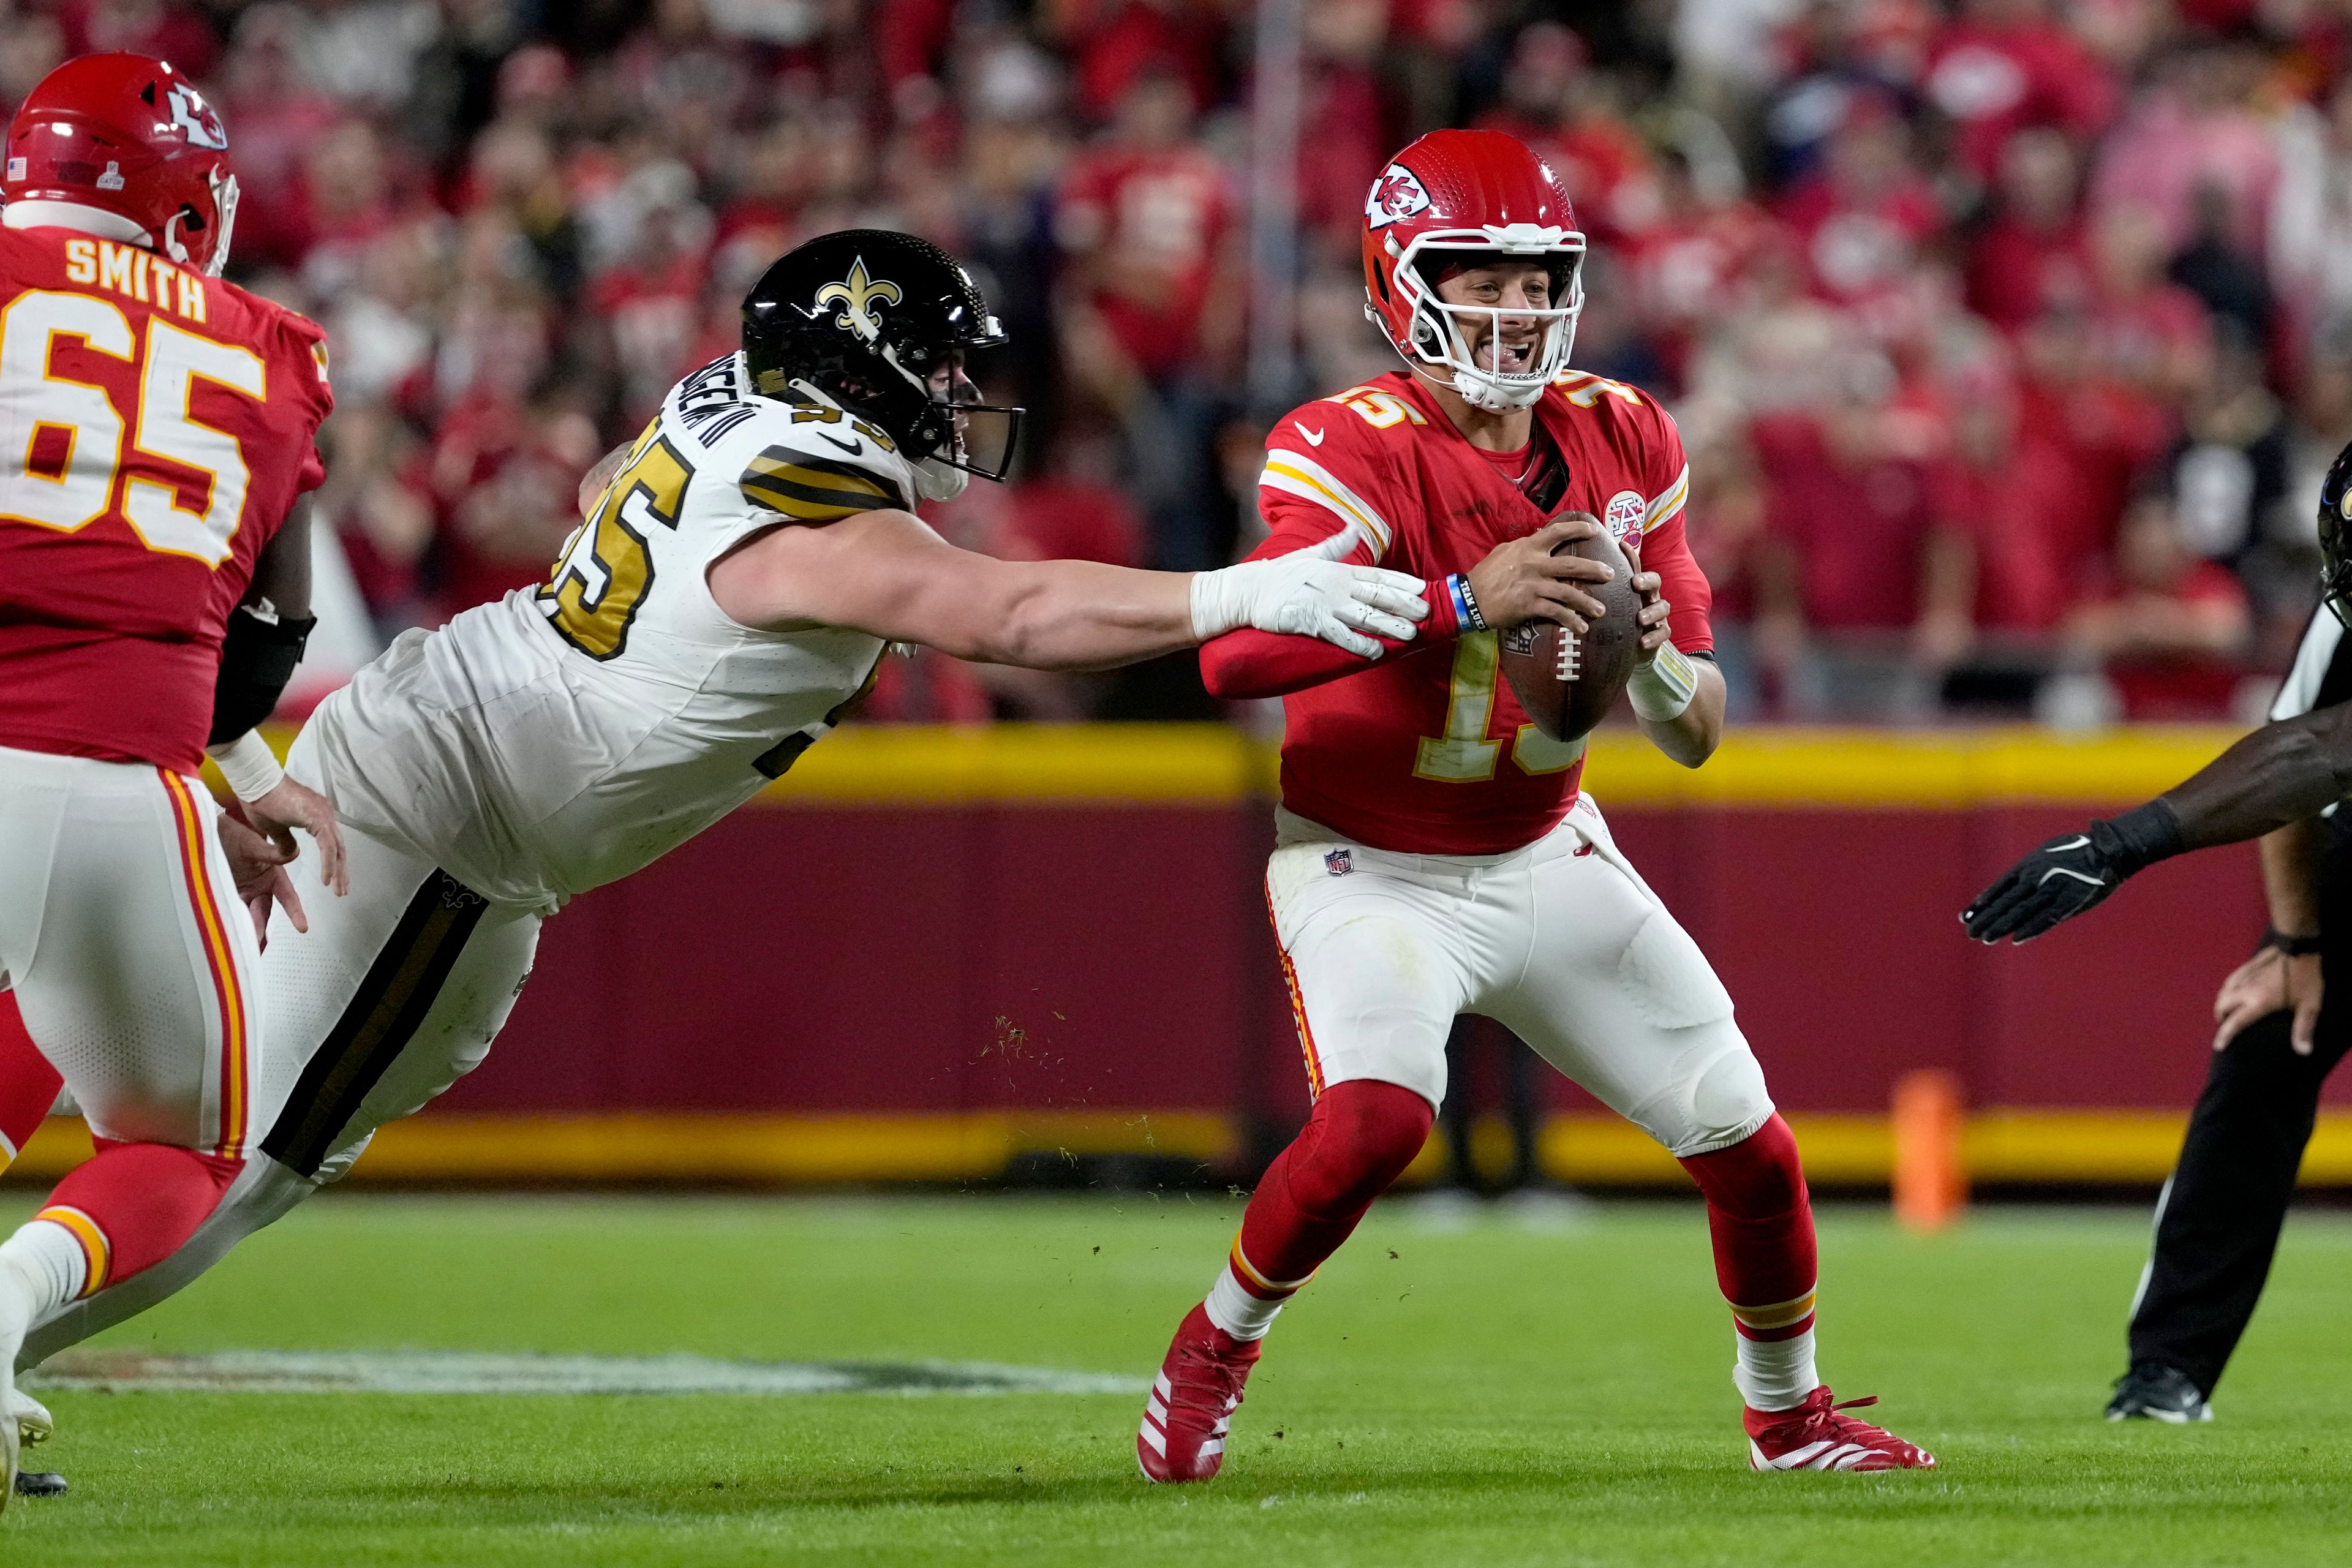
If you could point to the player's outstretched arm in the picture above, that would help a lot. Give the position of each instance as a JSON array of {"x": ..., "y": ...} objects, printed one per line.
[
  {"x": 2282, "y": 773},
  {"x": 889, "y": 575}
]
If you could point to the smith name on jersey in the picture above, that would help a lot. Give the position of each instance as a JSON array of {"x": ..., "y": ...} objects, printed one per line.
[
  {"x": 1426, "y": 751},
  {"x": 570, "y": 734},
  {"x": 156, "y": 426}
]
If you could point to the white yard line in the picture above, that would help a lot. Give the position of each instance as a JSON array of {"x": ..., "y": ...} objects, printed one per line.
[{"x": 472, "y": 1372}]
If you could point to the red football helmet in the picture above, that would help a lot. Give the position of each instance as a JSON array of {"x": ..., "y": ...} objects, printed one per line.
[
  {"x": 1455, "y": 197},
  {"x": 129, "y": 136}
]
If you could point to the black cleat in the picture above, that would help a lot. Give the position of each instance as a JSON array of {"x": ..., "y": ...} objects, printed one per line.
[
  {"x": 40, "y": 1483},
  {"x": 2152, "y": 1391}
]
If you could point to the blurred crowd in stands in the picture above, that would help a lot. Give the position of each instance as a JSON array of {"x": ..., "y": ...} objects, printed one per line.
[{"x": 2009, "y": 337}]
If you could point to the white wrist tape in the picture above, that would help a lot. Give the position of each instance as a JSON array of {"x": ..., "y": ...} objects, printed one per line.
[
  {"x": 1663, "y": 688},
  {"x": 248, "y": 765}
]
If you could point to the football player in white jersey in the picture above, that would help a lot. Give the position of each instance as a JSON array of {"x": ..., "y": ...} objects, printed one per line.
[{"x": 730, "y": 596}]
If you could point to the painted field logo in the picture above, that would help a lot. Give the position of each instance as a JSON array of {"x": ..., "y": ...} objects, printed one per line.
[
  {"x": 1623, "y": 517},
  {"x": 480, "y": 1372}
]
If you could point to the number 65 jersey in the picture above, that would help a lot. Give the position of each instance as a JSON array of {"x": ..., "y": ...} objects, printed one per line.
[
  {"x": 156, "y": 426},
  {"x": 1426, "y": 750},
  {"x": 565, "y": 736}
]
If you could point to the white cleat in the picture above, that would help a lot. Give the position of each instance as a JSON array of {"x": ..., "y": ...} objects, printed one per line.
[
  {"x": 34, "y": 1422},
  {"x": 16, "y": 1318}
]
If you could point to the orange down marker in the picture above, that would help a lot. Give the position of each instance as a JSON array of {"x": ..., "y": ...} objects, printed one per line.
[{"x": 1931, "y": 1178}]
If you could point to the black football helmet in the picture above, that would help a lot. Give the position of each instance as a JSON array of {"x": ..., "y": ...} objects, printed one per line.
[
  {"x": 2336, "y": 536},
  {"x": 871, "y": 318}
]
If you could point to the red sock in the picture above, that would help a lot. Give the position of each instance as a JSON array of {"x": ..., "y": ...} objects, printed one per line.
[
  {"x": 28, "y": 1084},
  {"x": 131, "y": 1204},
  {"x": 1763, "y": 1223},
  {"x": 1766, "y": 1262},
  {"x": 1361, "y": 1138}
]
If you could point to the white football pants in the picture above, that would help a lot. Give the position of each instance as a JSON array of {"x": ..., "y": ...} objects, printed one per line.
[
  {"x": 1561, "y": 942},
  {"x": 132, "y": 958},
  {"x": 393, "y": 994}
]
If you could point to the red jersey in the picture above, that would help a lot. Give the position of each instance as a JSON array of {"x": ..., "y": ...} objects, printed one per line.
[
  {"x": 156, "y": 425},
  {"x": 1426, "y": 750}
]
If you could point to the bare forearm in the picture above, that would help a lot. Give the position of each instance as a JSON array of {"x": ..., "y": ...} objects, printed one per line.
[
  {"x": 1691, "y": 736},
  {"x": 2290, "y": 876},
  {"x": 887, "y": 575},
  {"x": 2281, "y": 774},
  {"x": 1071, "y": 615}
]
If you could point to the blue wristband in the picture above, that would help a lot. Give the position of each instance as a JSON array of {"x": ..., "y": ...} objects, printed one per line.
[{"x": 1465, "y": 602}]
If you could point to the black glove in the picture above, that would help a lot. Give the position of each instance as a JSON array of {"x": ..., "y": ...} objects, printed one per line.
[{"x": 2071, "y": 873}]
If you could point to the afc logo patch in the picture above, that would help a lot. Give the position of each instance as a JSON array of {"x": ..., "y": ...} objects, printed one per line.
[
  {"x": 1397, "y": 193},
  {"x": 1338, "y": 862},
  {"x": 1623, "y": 517}
]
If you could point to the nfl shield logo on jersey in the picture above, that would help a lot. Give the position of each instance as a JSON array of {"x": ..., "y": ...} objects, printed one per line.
[
  {"x": 1338, "y": 863},
  {"x": 1623, "y": 517}
]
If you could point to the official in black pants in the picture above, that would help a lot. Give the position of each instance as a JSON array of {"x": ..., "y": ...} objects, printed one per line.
[
  {"x": 2217, "y": 1224},
  {"x": 2285, "y": 785}
]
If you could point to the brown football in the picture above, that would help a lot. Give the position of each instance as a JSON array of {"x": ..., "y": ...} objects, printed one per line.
[{"x": 1568, "y": 683}]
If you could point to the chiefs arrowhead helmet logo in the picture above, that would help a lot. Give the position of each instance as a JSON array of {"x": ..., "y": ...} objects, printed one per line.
[
  {"x": 196, "y": 119},
  {"x": 1397, "y": 193}
]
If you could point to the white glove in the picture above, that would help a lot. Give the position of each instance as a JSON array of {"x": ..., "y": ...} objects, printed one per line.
[{"x": 1311, "y": 593}]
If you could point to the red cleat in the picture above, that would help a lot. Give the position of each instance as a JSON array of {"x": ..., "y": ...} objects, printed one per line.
[
  {"x": 1192, "y": 1401},
  {"x": 1815, "y": 1436}
]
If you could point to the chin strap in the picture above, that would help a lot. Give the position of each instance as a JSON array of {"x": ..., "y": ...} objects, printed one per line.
[{"x": 1480, "y": 393}]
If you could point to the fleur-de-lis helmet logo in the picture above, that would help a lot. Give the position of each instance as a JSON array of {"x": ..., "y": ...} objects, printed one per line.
[{"x": 857, "y": 295}]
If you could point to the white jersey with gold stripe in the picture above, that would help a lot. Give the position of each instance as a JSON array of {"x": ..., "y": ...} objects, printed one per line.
[{"x": 568, "y": 735}]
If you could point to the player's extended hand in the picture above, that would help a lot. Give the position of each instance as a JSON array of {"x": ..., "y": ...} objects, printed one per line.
[
  {"x": 1522, "y": 580},
  {"x": 1311, "y": 593},
  {"x": 257, "y": 865},
  {"x": 2270, "y": 982},
  {"x": 292, "y": 806},
  {"x": 2066, "y": 875},
  {"x": 1655, "y": 611}
]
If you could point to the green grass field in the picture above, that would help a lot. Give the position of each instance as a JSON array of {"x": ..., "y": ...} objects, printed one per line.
[{"x": 1498, "y": 1393}]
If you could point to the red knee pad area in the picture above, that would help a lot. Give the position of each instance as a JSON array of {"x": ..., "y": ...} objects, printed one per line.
[
  {"x": 147, "y": 1198},
  {"x": 1761, "y": 1222},
  {"x": 1361, "y": 1137}
]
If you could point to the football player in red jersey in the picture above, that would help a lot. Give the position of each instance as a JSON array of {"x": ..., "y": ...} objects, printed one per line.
[
  {"x": 156, "y": 438},
  {"x": 1436, "y": 855}
]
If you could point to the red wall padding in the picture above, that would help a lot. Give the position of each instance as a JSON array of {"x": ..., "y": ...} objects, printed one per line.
[{"x": 900, "y": 959}]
